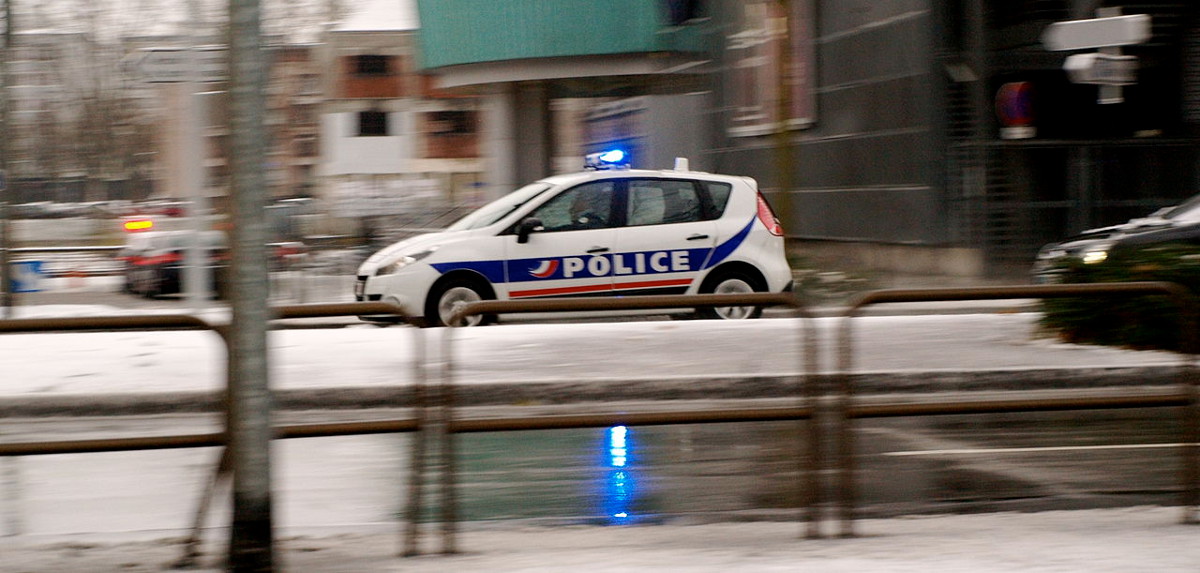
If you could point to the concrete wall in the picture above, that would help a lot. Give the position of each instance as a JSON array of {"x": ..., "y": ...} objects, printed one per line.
[
  {"x": 897, "y": 259},
  {"x": 869, "y": 166},
  {"x": 346, "y": 152}
]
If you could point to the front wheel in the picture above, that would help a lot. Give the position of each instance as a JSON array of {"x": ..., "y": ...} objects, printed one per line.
[
  {"x": 729, "y": 282},
  {"x": 449, "y": 297}
]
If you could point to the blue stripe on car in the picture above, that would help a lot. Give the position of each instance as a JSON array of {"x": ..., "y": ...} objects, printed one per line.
[
  {"x": 727, "y": 248},
  {"x": 493, "y": 270}
]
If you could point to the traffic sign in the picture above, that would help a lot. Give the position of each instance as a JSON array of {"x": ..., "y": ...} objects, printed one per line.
[
  {"x": 1097, "y": 33},
  {"x": 1102, "y": 69},
  {"x": 175, "y": 65}
]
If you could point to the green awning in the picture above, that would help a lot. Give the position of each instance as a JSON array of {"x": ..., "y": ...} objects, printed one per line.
[{"x": 457, "y": 32}]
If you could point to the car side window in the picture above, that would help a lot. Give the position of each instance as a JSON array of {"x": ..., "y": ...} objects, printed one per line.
[
  {"x": 660, "y": 201},
  {"x": 718, "y": 193},
  {"x": 587, "y": 206}
]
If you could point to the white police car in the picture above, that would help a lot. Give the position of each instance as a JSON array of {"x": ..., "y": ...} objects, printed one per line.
[{"x": 594, "y": 233}]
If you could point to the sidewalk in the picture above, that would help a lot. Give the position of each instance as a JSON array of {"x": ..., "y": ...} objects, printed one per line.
[{"x": 1139, "y": 539}]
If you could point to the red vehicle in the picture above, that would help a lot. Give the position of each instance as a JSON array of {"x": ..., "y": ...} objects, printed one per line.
[{"x": 154, "y": 261}]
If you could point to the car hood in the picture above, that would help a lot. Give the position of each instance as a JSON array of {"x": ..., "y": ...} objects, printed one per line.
[
  {"x": 390, "y": 253},
  {"x": 1113, "y": 233},
  {"x": 1131, "y": 227}
]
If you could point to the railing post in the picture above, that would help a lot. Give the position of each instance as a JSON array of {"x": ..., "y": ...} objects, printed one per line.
[
  {"x": 1190, "y": 382},
  {"x": 844, "y": 435},
  {"x": 420, "y": 438},
  {"x": 811, "y": 454},
  {"x": 191, "y": 545},
  {"x": 448, "y": 452}
]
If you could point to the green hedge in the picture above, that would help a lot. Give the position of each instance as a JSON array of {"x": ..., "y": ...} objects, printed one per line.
[{"x": 1142, "y": 322}]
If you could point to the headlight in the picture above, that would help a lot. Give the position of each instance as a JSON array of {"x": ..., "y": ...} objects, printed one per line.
[
  {"x": 1095, "y": 254},
  {"x": 395, "y": 266}
]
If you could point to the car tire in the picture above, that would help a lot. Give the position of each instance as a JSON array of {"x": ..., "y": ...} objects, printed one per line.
[
  {"x": 141, "y": 282},
  {"x": 447, "y": 295},
  {"x": 729, "y": 282},
  {"x": 153, "y": 288}
]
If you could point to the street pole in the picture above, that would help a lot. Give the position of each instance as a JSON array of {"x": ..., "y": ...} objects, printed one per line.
[
  {"x": 191, "y": 155},
  {"x": 7, "y": 298},
  {"x": 251, "y": 544},
  {"x": 784, "y": 163}
]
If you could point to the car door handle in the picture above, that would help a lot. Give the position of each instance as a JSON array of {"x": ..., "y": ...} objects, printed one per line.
[
  {"x": 697, "y": 237},
  {"x": 595, "y": 250}
]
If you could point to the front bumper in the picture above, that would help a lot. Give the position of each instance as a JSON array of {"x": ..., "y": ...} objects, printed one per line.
[{"x": 407, "y": 289}]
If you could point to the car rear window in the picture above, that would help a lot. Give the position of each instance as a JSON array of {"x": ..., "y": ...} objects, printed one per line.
[
  {"x": 719, "y": 194},
  {"x": 663, "y": 201}
]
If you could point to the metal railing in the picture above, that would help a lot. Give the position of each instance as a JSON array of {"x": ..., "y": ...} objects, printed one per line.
[
  {"x": 445, "y": 425},
  {"x": 1187, "y": 397},
  {"x": 435, "y": 417},
  {"x": 188, "y": 322},
  {"x": 844, "y": 410}
]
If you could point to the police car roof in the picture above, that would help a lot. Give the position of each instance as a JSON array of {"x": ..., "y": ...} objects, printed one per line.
[{"x": 581, "y": 176}]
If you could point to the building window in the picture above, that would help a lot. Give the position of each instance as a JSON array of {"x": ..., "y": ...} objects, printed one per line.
[
  {"x": 372, "y": 123},
  {"x": 306, "y": 146},
  {"x": 452, "y": 122},
  {"x": 754, "y": 53},
  {"x": 451, "y": 134},
  {"x": 371, "y": 65}
]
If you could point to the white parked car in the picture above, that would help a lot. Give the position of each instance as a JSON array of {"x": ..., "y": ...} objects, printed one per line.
[{"x": 600, "y": 232}]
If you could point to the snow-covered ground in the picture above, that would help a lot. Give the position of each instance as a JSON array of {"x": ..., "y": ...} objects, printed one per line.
[{"x": 1142, "y": 539}]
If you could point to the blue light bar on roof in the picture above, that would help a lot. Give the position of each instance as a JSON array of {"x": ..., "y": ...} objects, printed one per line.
[{"x": 609, "y": 159}]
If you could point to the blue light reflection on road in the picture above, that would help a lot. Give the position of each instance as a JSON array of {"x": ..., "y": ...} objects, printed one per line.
[{"x": 619, "y": 489}]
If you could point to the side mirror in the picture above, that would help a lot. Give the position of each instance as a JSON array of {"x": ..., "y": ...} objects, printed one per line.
[{"x": 526, "y": 227}]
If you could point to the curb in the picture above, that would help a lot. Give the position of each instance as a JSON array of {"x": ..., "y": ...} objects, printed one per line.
[{"x": 866, "y": 384}]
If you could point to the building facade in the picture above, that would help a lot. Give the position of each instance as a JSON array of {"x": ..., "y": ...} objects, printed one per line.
[
  {"x": 391, "y": 144},
  {"x": 937, "y": 136},
  {"x": 945, "y": 136}
]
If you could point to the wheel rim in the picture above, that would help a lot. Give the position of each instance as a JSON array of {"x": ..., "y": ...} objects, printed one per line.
[
  {"x": 733, "y": 286},
  {"x": 456, "y": 298}
]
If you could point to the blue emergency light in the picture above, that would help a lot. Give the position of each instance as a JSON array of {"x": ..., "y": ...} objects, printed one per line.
[{"x": 610, "y": 159}]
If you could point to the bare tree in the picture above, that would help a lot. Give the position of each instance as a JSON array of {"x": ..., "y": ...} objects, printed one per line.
[{"x": 96, "y": 124}]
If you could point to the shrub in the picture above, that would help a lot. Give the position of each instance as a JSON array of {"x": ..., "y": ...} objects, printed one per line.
[{"x": 1142, "y": 322}]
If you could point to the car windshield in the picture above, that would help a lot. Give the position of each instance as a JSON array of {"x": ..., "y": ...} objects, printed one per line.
[
  {"x": 1186, "y": 212},
  {"x": 499, "y": 209}
]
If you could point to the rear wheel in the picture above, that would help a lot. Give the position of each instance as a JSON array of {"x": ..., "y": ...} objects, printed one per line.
[
  {"x": 154, "y": 288},
  {"x": 452, "y": 295},
  {"x": 146, "y": 283},
  {"x": 729, "y": 282}
]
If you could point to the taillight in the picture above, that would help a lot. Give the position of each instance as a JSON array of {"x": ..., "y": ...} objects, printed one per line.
[
  {"x": 138, "y": 225},
  {"x": 768, "y": 218}
]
